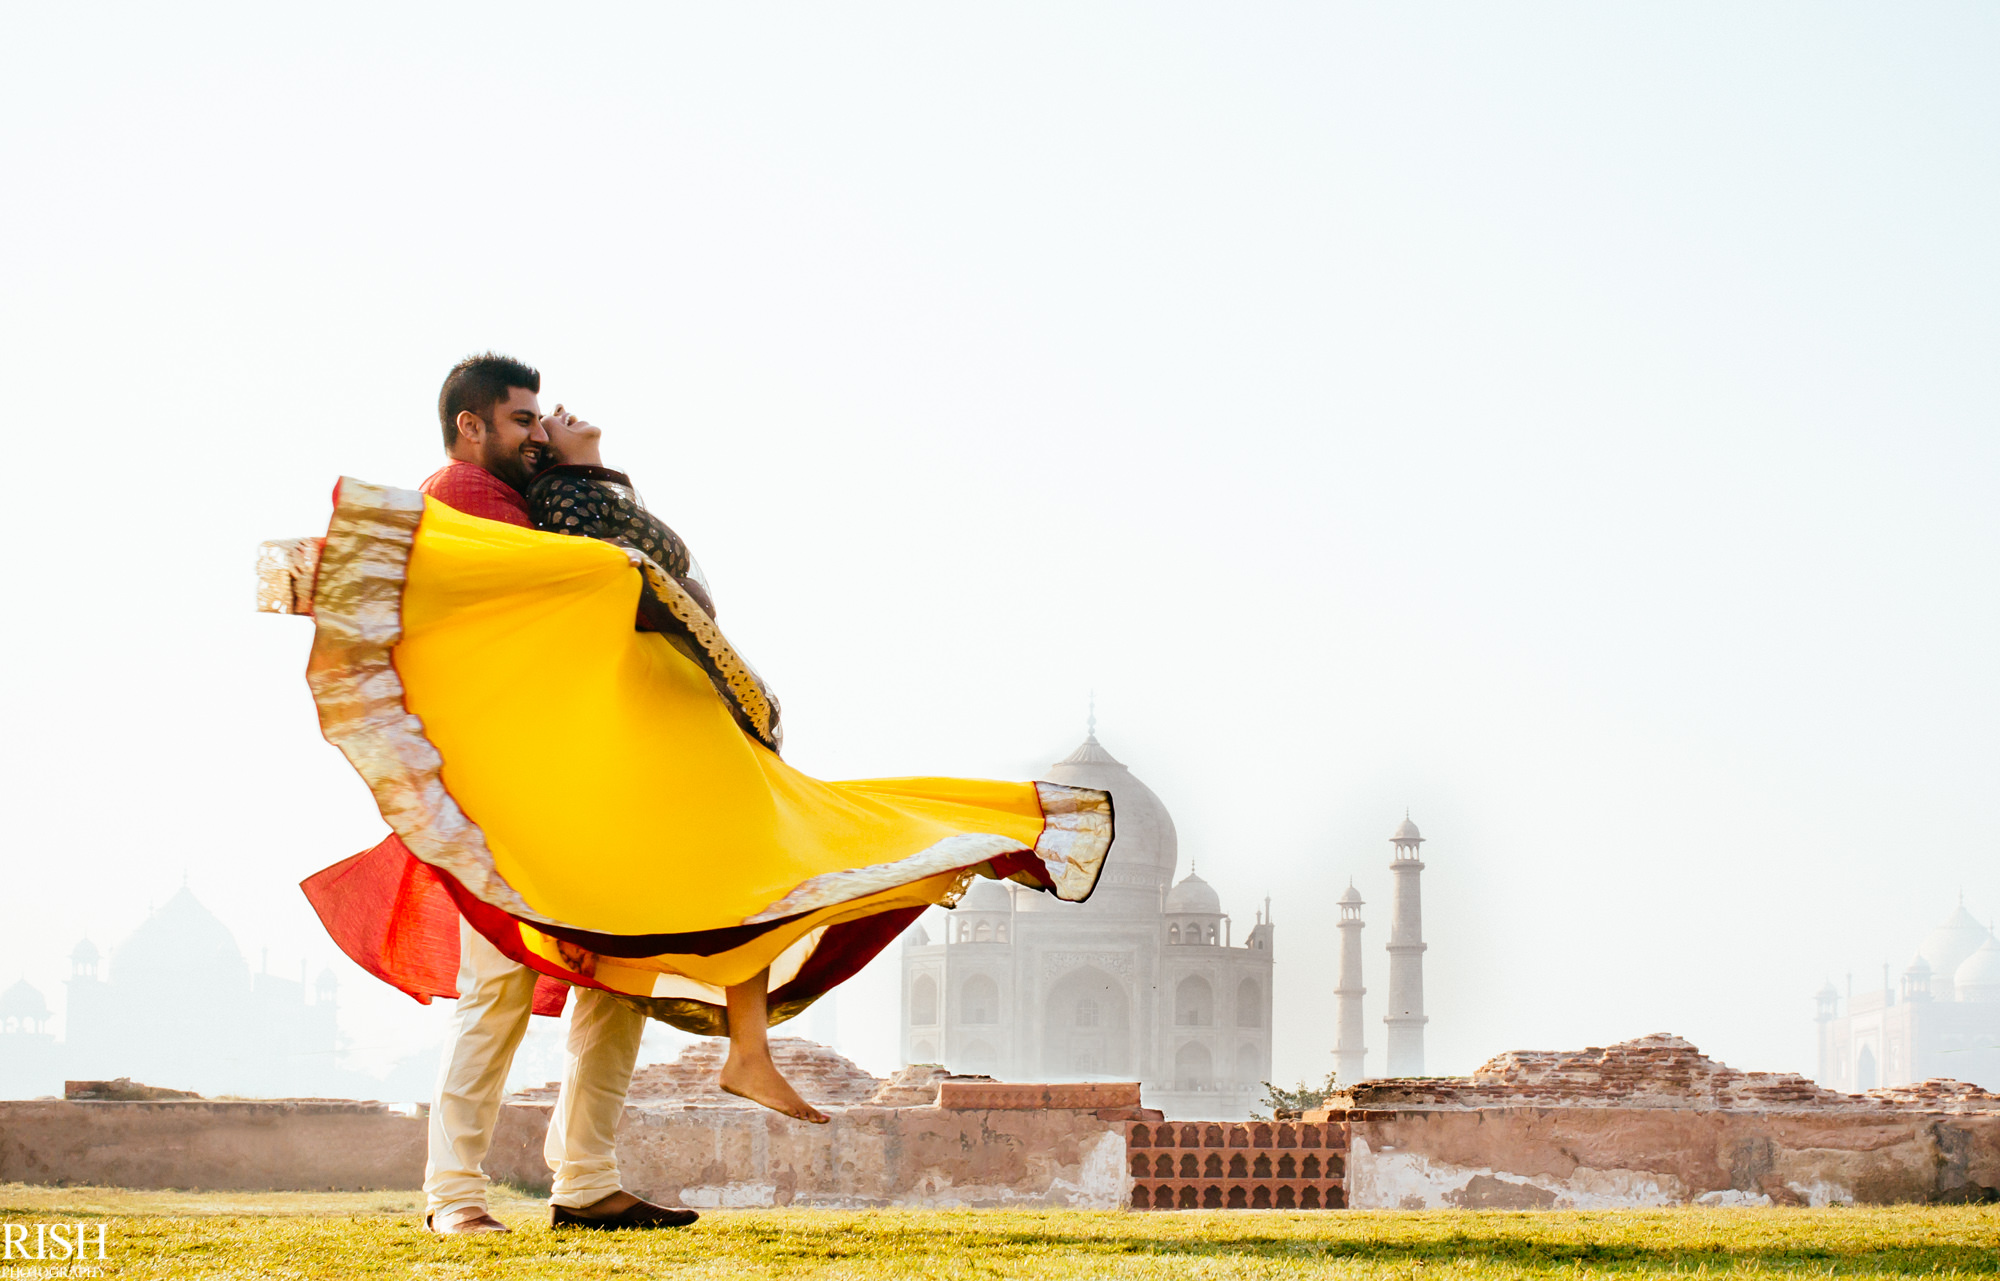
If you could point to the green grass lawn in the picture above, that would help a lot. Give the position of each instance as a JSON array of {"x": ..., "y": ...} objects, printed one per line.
[{"x": 364, "y": 1235}]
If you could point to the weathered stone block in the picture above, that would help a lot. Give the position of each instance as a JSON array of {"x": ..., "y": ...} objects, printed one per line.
[{"x": 974, "y": 1096}]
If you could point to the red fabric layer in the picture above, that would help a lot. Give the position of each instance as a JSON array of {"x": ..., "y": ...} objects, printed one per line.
[
  {"x": 843, "y": 950},
  {"x": 477, "y": 492},
  {"x": 1008, "y": 866},
  {"x": 397, "y": 917},
  {"x": 502, "y": 930},
  {"x": 394, "y": 916}
]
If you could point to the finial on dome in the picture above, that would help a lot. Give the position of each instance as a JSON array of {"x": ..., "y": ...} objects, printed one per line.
[{"x": 1093, "y": 722}]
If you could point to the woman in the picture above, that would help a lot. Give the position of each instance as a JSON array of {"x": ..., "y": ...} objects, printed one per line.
[
  {"x": 607, "y": 805},
  {"x": 579, "y": 496}
]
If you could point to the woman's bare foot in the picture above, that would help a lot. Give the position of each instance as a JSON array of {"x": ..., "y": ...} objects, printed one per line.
[
  {"x": 748, "y": 1073},
  {"x": 759, "y": 1081}
]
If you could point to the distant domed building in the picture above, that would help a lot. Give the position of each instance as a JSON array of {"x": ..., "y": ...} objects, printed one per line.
[
  {"x": 1942, "y": 1019},
  {"x": 181, "y": 1008},
  {"x": 1143, "y": 982},
  {"x": 28, "y": 1064}
]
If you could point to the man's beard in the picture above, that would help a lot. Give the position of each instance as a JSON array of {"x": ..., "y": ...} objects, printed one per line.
[{"x": 517, "y": 468}]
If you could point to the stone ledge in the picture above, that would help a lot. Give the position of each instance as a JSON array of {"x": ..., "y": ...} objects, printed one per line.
[
  {"x": 122, "y": 1090},
  {"x": 227, "y": 1107},
  {"x": 1663, "y": 1072},
  {"x": 673, "y": 1153},
  {"x": 998, "y": 1096}
]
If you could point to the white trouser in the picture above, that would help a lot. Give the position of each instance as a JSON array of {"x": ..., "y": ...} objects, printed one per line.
[{"x": 494, "y": 997}]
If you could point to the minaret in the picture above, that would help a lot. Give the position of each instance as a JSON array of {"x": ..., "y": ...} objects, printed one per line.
[
  {"x": 1406, "y": 957},
  {"x": 1828, "y": 1010},
  {"x": 1348, "y": 1051}
]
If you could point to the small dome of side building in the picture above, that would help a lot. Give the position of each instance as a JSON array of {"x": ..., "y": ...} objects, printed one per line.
[
  {"x": 1194, "y": 913},
  {"x": 23, "y": 1005},
  {"x": 1978, "y": 976},
  {"x": 1194, "y": 895}
]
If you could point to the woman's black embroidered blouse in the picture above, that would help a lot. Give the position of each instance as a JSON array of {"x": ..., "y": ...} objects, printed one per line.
[{"x": 596, "y": 502}]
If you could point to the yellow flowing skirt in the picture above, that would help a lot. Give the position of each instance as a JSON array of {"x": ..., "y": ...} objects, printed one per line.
[{"x": 592, "y": 797}]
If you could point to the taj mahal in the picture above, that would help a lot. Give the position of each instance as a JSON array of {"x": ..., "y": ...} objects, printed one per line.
[{"x": 1146, "y": 980}]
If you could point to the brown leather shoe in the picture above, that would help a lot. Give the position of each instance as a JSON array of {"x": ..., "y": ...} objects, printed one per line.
[
  {"x": 466, "y": 1221},
  {"x": 639, "y": 1214}
]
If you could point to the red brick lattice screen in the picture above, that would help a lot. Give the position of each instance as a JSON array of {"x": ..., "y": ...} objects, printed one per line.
[{"x": 1256, "y": 1165}]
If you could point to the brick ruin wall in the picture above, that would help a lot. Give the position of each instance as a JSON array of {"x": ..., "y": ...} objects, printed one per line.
[
  {"x": 920, "y": 1139},
  {"x": 1662, "y": 1071},
  {"x": 1655, "y": 1122},
  {"x": 1648, "y": 1122},
  {"x": 866, "y": 1157}
]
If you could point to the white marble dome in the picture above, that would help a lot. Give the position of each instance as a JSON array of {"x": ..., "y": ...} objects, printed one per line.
[
  {"x": 1407, "y": 831},
  {"x": 1978, "y": 976},
  {"x": 1947, "y": 946},
  {"x": 1143, "y": 831}
]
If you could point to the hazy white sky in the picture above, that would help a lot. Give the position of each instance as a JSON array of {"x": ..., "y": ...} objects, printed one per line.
[{"x": 1573, "y": 423}]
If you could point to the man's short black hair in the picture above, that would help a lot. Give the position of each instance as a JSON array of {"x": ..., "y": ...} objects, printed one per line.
[{"x": 478, "y": 383}]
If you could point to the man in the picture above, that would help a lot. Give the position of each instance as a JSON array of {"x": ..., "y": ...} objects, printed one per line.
[{"x": 496, "y": 438}]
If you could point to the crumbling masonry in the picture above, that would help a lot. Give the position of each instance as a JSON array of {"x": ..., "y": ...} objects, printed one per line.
[{"x": 1650, "y": 1122}]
